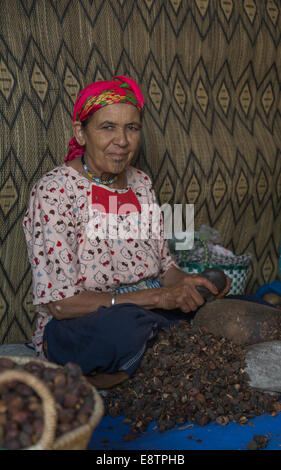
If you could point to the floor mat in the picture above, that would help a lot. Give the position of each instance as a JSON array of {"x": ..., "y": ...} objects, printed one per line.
[{"x": 109, "y": 435}]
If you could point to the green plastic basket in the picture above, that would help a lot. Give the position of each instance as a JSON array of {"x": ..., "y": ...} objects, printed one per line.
[{"x": 238, "y": 273}]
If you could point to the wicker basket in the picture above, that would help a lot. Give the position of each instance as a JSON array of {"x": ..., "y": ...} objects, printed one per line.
[{"x": 78, "y": 438}]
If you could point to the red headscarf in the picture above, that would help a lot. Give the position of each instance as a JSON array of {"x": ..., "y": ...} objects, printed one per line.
[{"x": 120, "y": 89}]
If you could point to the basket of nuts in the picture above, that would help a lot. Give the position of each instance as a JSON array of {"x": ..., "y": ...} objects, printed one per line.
[{"x": 44, "y": 406}]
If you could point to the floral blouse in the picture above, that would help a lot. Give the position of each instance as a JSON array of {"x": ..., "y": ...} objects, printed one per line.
[{"x": 68, "y": 249}]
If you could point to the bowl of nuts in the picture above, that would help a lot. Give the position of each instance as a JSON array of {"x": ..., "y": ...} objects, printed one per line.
[{"x": 44, "y": 406}]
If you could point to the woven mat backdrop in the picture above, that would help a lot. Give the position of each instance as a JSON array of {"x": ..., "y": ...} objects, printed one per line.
[{"x": 210, "y": 71}]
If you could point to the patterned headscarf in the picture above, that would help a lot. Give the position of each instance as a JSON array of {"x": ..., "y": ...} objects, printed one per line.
[{"x": 120, "y": 89}]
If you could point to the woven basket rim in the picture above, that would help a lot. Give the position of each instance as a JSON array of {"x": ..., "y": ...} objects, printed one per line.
[
  {"x": 84, "y": 429},
  {"x": 221, "y": 266}
]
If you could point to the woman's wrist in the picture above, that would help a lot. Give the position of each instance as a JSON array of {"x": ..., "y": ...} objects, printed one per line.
[{"x": 148, "y": 298}]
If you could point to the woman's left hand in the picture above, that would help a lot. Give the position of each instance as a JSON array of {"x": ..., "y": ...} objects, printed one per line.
[
  {"x": 183, "y": 292},
  {"x": 197, "y": 280},
  {"x": 189, "y": 295}
]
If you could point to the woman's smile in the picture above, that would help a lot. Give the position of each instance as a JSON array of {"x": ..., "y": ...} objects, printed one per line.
[{"x": 118, "y": 156}]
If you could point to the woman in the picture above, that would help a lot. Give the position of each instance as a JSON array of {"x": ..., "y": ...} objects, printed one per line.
[{"x": 101, "y": 298}]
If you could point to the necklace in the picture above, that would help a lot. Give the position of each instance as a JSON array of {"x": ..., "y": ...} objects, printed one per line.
[{"x": 96, "y": 178}]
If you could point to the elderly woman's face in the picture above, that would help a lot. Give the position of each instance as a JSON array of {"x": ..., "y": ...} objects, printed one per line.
[{"x": 112, "y": 137}]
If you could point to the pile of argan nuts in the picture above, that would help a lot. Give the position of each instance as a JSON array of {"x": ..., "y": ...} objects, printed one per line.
[
  {"x": 21, "y": 411},
  {"x": 188, "y": 375}
]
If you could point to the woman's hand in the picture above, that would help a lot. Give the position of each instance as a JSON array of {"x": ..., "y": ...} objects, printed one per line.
[
  {"x": 184, "y": 294},
  {"x": 55, "y": 310}
]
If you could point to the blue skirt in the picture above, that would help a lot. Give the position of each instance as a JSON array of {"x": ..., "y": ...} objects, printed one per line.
[{"x": 108, "y": 340}]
